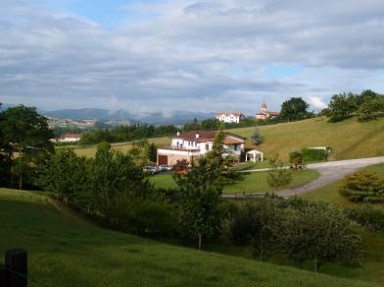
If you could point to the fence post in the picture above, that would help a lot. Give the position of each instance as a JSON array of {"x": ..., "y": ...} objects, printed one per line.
[
  {"x": 17, "y": 268},
  {"x": 2, "y": 276}
]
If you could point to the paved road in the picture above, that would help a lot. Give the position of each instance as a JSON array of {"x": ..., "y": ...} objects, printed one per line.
[{"x": 329, "y": 172}]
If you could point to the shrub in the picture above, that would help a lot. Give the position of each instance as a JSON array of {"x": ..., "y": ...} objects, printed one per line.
[
  {"x": 296, "y": 228},
  {"x": 256, "y": 137},
  {"x": 296, "y": 160},
  {"x": 363, "y": 186},
  {"x": 142, "y": 216},
  {"x": 311, "y": 155},
  {"x": 278, "y": 175},
  {"x": 367, "y": 216}
]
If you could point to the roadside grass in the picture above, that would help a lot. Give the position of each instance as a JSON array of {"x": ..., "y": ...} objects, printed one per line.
[
  {"x": 66, "y": 250},
  {"x": 254, "y": 182}
]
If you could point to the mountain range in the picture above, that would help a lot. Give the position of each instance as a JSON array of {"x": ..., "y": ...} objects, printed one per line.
[{"x": 105, "y": 115}]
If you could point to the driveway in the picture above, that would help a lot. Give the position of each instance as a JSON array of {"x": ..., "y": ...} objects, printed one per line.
[{"x": 329, "y": 172}]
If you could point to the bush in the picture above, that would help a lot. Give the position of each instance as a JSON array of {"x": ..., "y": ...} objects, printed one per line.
[
  {"x": 367, "y": 216},
  {"x": 278, "y": 175},
  {"x": 296, "y": 228},
  {"x": 142, "y": 217},
  {"x": 314, "y": 155},
  {"x": 363, "y": 186}
]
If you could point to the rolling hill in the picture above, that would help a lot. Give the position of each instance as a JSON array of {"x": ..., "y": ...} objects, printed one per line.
[{"x": 348, "y": 139}]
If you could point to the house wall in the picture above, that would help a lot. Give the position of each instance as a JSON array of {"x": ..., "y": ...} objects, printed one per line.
[{"x": 175, "y": 155}]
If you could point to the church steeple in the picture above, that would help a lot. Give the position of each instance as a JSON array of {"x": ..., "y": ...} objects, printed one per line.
[{"x": 264, "y": 108}]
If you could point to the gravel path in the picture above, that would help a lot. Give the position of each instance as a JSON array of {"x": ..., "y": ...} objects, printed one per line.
[{"x": 329, "y": 172}]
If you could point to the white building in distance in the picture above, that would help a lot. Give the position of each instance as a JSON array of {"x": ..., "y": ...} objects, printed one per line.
[{"x": 230, "y": 117}]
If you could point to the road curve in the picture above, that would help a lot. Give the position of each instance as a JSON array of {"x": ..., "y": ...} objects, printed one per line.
[{"x": 330, "y": 172}]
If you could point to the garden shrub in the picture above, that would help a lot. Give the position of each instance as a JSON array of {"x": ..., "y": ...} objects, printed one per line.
[{"x": 363, "y": 186}]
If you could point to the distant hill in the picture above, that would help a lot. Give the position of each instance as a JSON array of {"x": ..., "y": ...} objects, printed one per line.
[
  {"x": 176, "y": 118},
  {"x": 5, "y": 106}
]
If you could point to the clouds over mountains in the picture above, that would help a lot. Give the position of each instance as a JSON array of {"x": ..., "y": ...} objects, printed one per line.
[{"x": 161, "y": 56}]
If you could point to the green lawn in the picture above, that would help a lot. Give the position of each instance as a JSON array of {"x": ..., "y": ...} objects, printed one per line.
[
  {"x": 253, "y": 182},
  {"x": 65, "y": 250}
]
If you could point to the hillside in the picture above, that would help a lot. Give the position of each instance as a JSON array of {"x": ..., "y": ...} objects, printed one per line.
[
  {"x": 65, "y": 250},
  {"x": 349, "y": 139}
]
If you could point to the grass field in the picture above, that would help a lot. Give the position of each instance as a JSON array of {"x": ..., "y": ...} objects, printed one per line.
[
  {"x": 255, "y": 182},
  {"x": 349, "y": 139},
  {"x": 65, "y": 250}
]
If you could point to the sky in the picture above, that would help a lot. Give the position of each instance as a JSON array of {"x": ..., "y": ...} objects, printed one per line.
[{"x": 148, "y": 56}]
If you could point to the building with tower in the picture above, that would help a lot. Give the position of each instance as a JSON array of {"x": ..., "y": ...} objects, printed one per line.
[{"x": 264, "y": 114}]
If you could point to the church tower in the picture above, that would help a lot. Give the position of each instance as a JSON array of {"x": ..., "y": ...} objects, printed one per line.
[{"x": 263, "y": 109}]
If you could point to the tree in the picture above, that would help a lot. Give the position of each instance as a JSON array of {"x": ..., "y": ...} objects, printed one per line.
[
  {"x": 294, "y": 109},
  {"x": 65, "y": 176},
  {"x": 372, "y": 109},
  {"x": 256, "y": 137},
  {"x": 258, "y": 222},
  {"x": 296, "y": 160},
  {"x": 25, "y": 132},
  {"x": 210, "y": 124},
  {"x": 143, "y": 152},
  {"x": 200, "y": 191},
  {"x": 341, "y": 107},
  {"x": 318, "y": 232},
  {"x": 221, "y": 161},
  {"x": 278, "y": 175}
]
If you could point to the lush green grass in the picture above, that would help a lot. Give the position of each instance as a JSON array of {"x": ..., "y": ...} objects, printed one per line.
[
  {"x": 256, "y": 182},
  {"x": 253, "y": 182},
  {"x": 349, "y": 138},
  {"x": 65, "y": 250}
]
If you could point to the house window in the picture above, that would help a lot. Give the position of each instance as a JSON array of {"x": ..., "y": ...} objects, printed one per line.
[
  {"x": 235, "y": 147},
  {"x": 207, "y": 146}
]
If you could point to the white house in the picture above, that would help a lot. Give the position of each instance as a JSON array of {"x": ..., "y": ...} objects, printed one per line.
[
  {"x": 191, "y": 145},
  {"x": 68, "y": 138},
  {"x": 231, "y": 117},
  {"x": 264, "y": 114}
]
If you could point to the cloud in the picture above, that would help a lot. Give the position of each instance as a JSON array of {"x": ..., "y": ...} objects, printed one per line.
[
  {"x": 316, "y": 103},
  {"x": 181, "y": 55}
]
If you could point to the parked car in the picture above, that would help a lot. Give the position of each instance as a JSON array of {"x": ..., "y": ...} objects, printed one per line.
[
  {"x": 165, "y": 167},
  {"x": 151, "y": 169}
]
